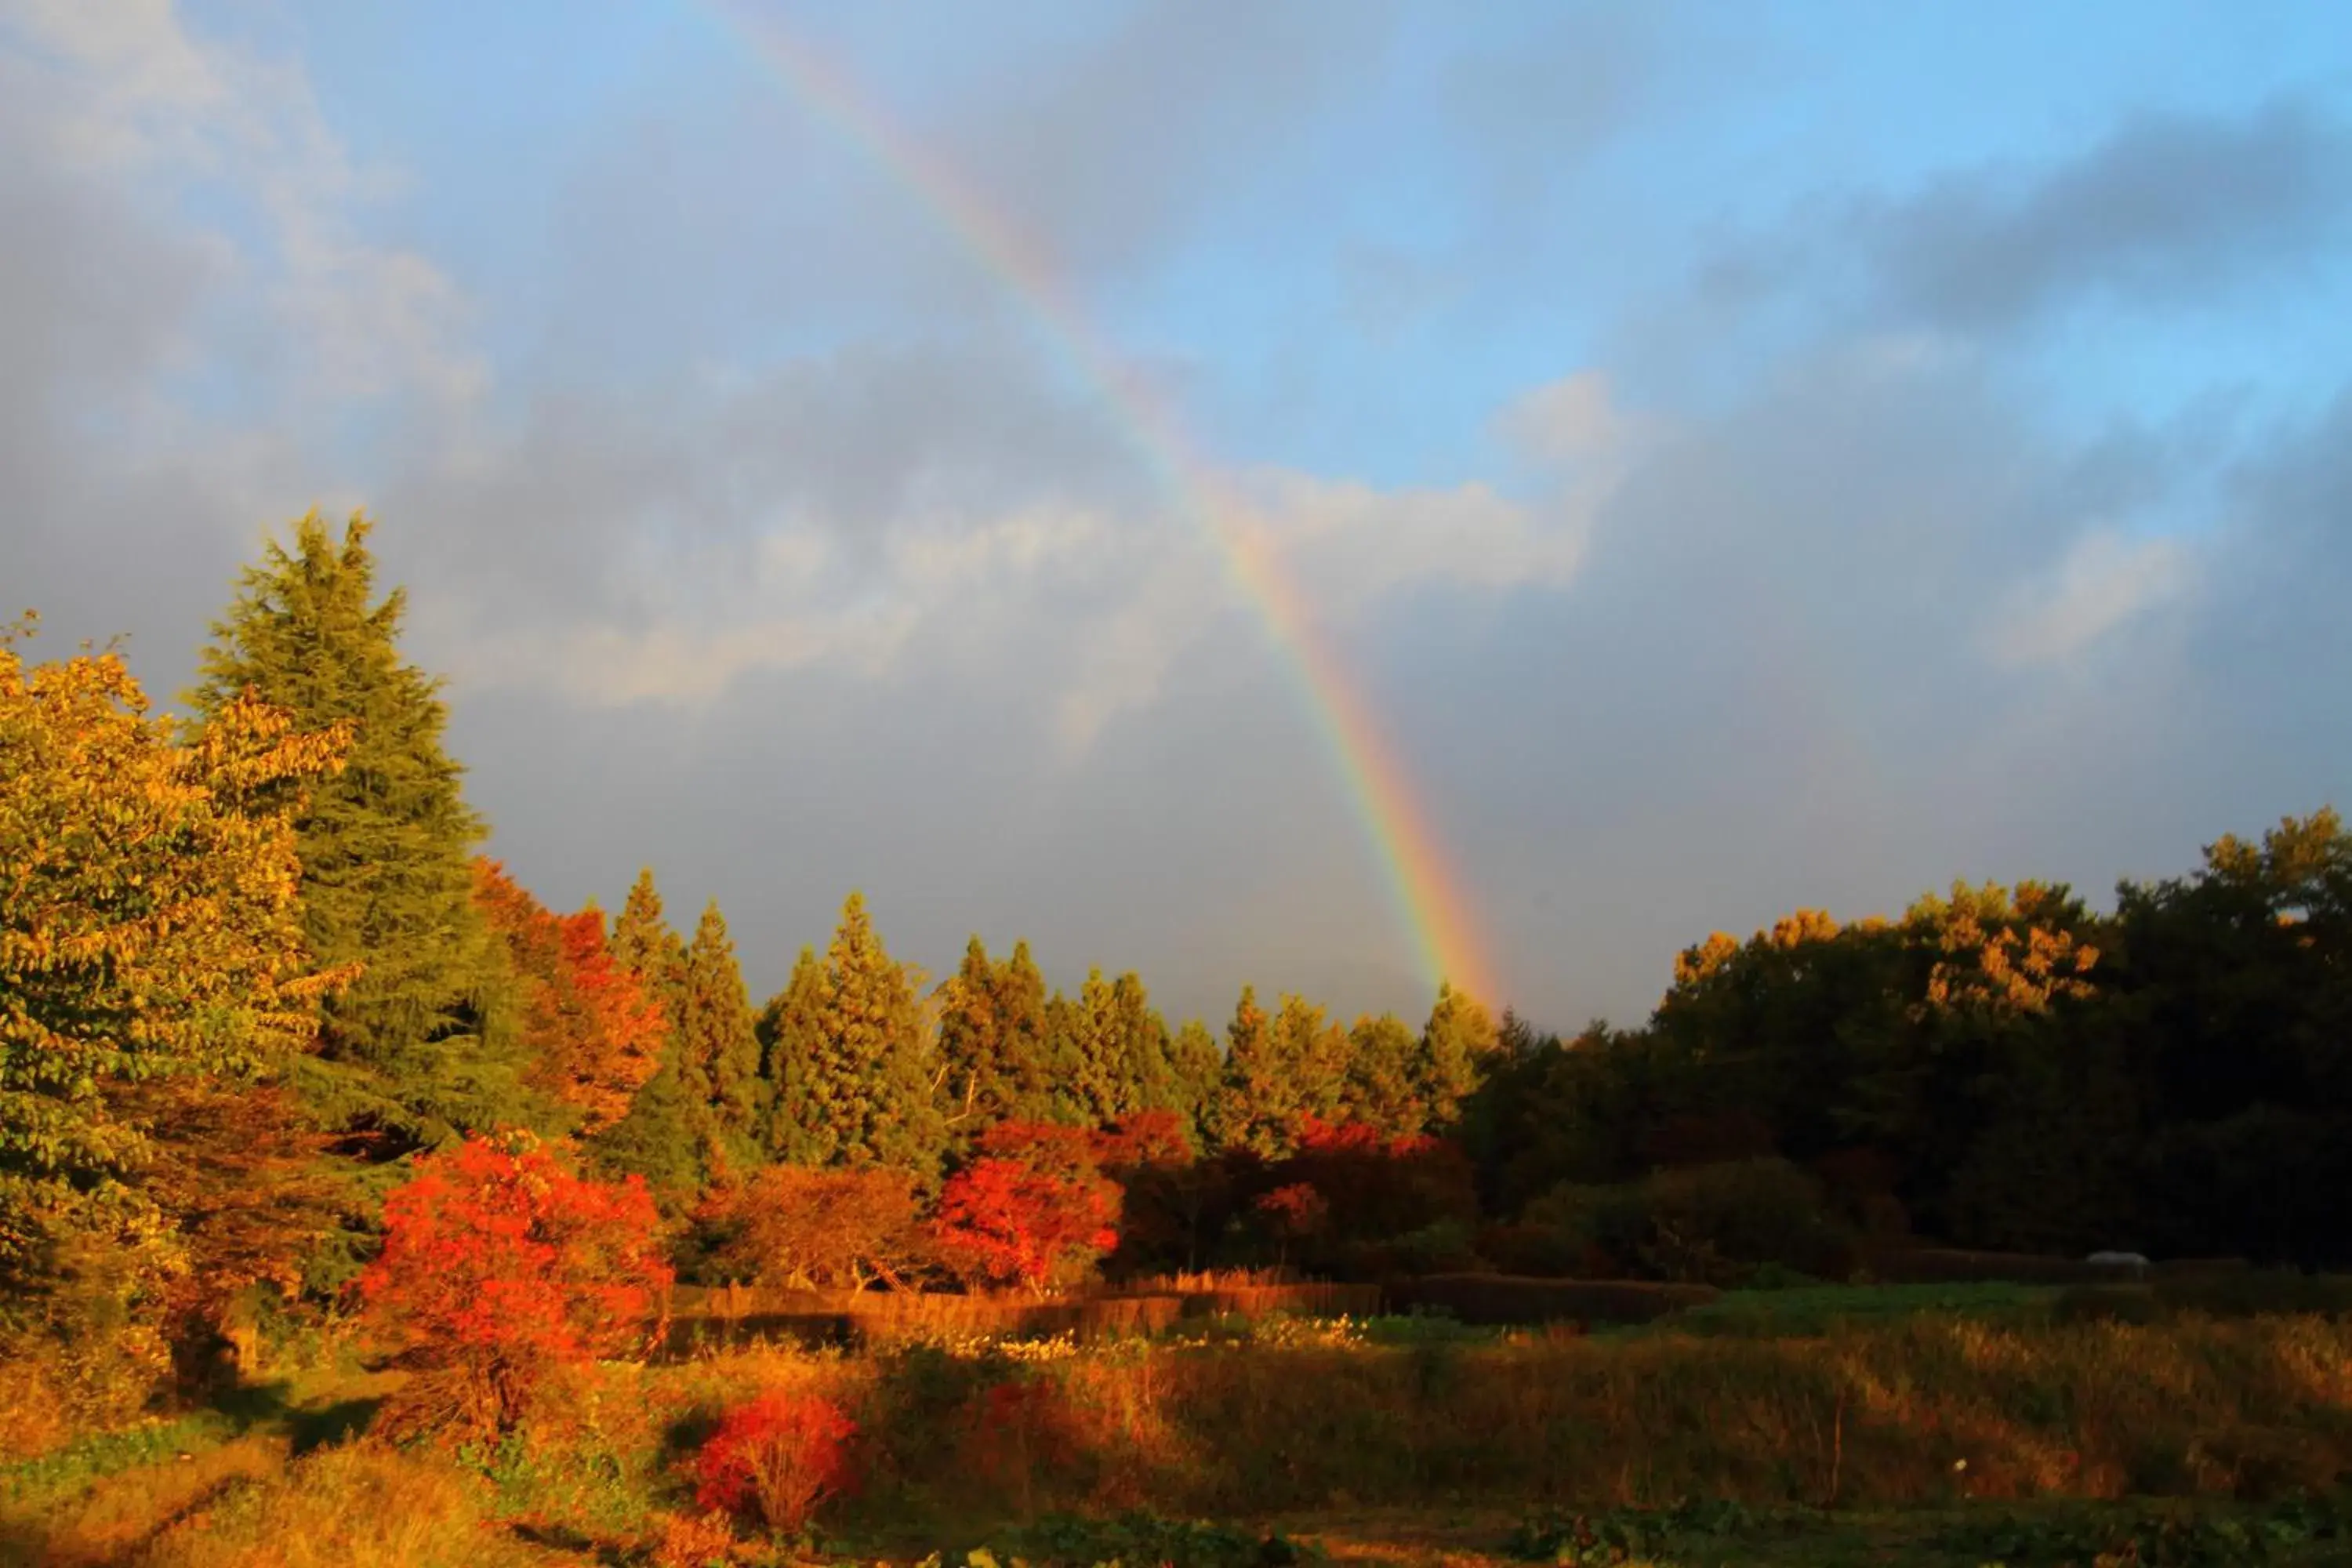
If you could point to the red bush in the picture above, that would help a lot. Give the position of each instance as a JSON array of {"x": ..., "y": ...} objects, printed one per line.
[
  {"x": 777, "y": 1459},
  {"x": 499, "y": 1263}
]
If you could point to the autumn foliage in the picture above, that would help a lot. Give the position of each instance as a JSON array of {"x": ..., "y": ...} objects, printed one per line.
[
  {"x": 1032, "y": 1209},
  {"x": 777, "y": 1459},
  {"x": 822, "y": 1229},
  {"x": 499, "y": 1264},
  {"x": 593, "y": 1033}
]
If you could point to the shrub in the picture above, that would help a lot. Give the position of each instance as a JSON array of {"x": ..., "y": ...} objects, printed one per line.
[
  {"x": 1536, "y": 1251},
  {"x": 1704, "y": 1224},
  {"x": 1715, "y": 1223},
  {"x": 499, "y": 1264},
  {"x": 776, "y": 1460}
]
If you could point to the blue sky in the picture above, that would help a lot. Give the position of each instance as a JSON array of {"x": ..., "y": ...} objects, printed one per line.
[{"x": 1752, "y": 457}]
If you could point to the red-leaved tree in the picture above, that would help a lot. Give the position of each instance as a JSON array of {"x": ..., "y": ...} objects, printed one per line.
[
  {"x": 500, "y": 1264},
  {"x": 1033, "y": 1208},
  {"x": 594, "y": 1034}
]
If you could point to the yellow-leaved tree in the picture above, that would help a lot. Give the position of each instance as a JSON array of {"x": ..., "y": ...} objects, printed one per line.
[{"x": 152, "y": 972}]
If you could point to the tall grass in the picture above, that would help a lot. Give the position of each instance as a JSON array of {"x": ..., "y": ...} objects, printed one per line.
[{"x": 1931, "y": 1410}]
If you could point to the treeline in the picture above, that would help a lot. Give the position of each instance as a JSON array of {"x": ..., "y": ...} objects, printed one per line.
[{"x": 252, "y": 966}]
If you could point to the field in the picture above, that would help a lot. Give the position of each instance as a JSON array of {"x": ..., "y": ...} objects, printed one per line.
[{"x": 1893, "y": 1424}]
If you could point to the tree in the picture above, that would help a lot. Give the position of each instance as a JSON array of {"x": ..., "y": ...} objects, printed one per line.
[
  {"x": 592, "y": 1033},
  {"x": 1277, "y": 1072},
  {"x": 1380, "y": 1089},
  {"x": 791, "y": 1056},
  {"x": 1196, "y": 1071},
  {"x": 830, "y": 1229},
  {"x": 1113, "y": 1049},
  {"x": 151, "y": 951},
  {"x": 1032, "y": 1209},
  {"x": 645, "y": 945},
  {"x": 411, "y": 1051},
  {"x": 872, "y": 1090},
  {"x": 1456, "y": 1048},
  {"x": 500, "y": 1264},
  {"x": 719, "y": 1047}
]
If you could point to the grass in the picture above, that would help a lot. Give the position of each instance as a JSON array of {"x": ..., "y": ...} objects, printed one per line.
[
  {"x": 1815, "y": 1309},
  {"x": 1824, "y": 1425}
]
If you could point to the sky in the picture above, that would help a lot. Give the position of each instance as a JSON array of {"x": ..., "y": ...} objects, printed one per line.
[{"x": 1727, "y": 458}]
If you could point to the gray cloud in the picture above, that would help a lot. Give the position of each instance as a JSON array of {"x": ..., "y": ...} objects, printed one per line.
[{"x": 2166, "y": 210}]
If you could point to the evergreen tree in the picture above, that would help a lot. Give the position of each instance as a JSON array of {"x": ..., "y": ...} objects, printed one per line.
[
  {"x": 1196, "y": 1071},
  {"x": 1380, "y": 1090},
  {"x": 995, "y": 1043},
  {"x": 1142, "y": 1035},
  {"x": 1257, "y": 1105},
  {"x": 1093, "y": 1053},
  {"x": 872, "y": 1090},
  {"x": 660, "y": 1137},
  {"x": 718, "y": 1055},
  {"x": 643, "y": 944},
  {"x": 1456, "y": 1048},
  {"x": 420, "y": 1046},
  {"x": 791, "y": 1052}
]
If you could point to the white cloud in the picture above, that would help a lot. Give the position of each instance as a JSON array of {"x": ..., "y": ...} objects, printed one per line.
[
  {"x": 134, "y": 96},
  {"x": 2103, "y": 581}
]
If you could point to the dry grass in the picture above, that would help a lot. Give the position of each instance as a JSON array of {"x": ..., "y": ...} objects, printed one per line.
[
  {"x": 357, "y": 1506},
  {"x": 1925, "y": 1412}
]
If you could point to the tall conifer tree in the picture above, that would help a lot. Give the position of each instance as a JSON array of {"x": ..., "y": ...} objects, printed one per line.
[
  {"x": 660, "y": 1138},
  {"x": 791, "y": 1058},
  {"x": 873, "y": 1095},
  {"x": 423, "y": 1044},
  {"x": 1456, "y": 1048},
  {"x": 718, "y": 1052},
  {"x": 1196, "y": 1071},
  {"x": 1381, "y": 1089},
  {"x": 643, "y": 944}
]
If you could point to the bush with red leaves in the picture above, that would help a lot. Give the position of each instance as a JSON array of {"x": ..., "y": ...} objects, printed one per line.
[
  {"x": 500, "y": 1264},
  {"x": 776, "y": 1460}
]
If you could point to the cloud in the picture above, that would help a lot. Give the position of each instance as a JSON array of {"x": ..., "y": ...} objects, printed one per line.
[
  {"x": 2165, "y": 209},
  {"x": 2103, "y": 582}
]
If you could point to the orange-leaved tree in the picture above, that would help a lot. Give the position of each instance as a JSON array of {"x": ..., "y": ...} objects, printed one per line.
[
  {"x": 826, "y": 1229},
  {"x": 592, "y": 1031},
  {"x": 500, "y": 1264},
  {"x": 1033, "y": 1207}
]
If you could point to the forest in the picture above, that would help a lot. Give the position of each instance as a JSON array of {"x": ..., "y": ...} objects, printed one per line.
[{"x": 289, "y": 1072}]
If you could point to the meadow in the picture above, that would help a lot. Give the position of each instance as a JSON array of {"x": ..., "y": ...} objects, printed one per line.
[{"x": 1822, "y": 1425}]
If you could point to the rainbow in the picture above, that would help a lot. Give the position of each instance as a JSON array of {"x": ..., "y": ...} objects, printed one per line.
[{"x": 1426, "y": 895}]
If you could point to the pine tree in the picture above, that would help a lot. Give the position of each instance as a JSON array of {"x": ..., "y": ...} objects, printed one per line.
[
  {"x": 1144, "y": 1070},
  {"x": 1087, "y": 1036},
  {"x": 871, "y": 1093},
  {"x": 1254, "y": 1098},
  {"x": 419, "y": 1047},
  {"x": 1196, "y": 1071},
  {"x": 643, "y": 944},
  {"x": 1025, "y": 1057},
  {"x": 718, "y": 1054},
  {"x": 660, "y": 1137},
  {"x": 791, "y": 1056},
  {"x": 1456, "y": 1047},
  {"x": 1381, "y": 1090}
]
